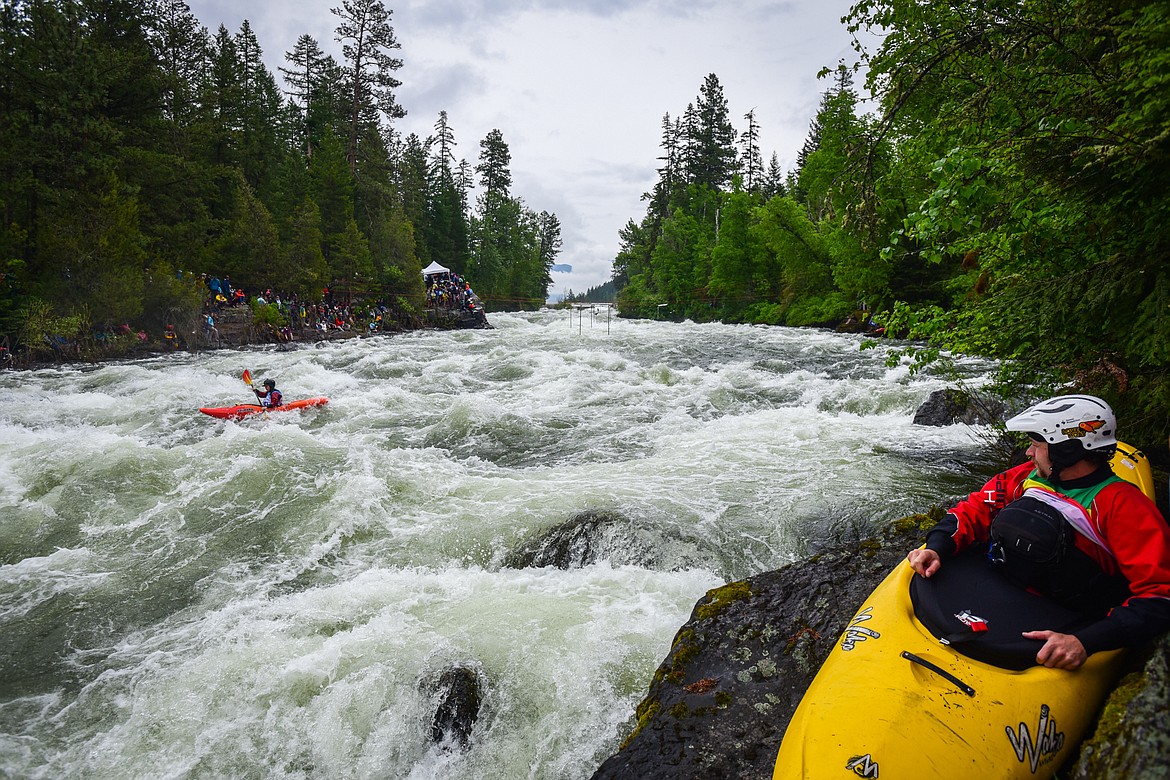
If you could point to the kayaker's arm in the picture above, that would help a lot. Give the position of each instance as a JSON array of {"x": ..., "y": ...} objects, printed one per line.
[
  {"x": 939, "y": 544},
  {"x": 1137, "y": 620}
]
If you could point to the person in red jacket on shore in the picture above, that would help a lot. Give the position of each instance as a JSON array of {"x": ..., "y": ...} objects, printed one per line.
[{"x": 1064, "y": 525}]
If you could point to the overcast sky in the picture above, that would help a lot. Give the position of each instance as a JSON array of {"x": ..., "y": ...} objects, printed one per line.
[{"x": 579, "y": 87}]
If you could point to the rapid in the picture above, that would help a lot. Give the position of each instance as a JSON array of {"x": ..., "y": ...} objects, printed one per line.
[{"x": 186, "y": 597}]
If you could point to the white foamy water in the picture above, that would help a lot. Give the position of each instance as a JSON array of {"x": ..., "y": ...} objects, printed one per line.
[{"x": 182, "y": 597}]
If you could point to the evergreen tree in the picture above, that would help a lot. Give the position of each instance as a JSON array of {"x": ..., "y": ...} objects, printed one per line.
[
  {"x": 249, "y": 249},
  {"x": 773, "y": 179},
  {"x": 711, "y": 138},
  {"x": 446, "y": 222},
  {"x": 753, "y": 161},
  {"x": 332, "y": 187},
  {"x": 351, "y": 265},
  {"x": 367, "y": 39},
  {"x": 306, "y": 269},
  {"x": 262, "y": 134},
  {"x": 497, "y": 215},
  {"x": 495, "y": 175},
  {"x": 306, "y": 76},
  {"x": 670, "y": 173},
  {"x": 183, "y": 47},
  {"x": 413, "y": 185},
  {"x": 822, "y": 176}
]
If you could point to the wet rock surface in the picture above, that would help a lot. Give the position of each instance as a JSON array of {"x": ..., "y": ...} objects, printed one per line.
[
  {"x": 950, "y": 406},
  {"x": 460, "y": 696},
  {"x": 718, "y": 705},
  {"x": 594, "y": 535}
]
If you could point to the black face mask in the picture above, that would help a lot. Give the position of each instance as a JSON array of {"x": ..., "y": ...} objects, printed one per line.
[{"x": 1062, "y": 455}]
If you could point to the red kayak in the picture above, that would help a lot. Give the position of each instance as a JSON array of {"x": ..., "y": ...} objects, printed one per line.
[{"x": 241, "y": 411}]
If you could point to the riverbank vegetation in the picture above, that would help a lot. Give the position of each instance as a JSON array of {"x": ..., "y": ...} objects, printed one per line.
[
  {"x": 1006, "y": 197},
  {"x": 139, "y": 150}
]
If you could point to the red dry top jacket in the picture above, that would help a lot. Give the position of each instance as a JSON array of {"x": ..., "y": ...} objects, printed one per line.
[{"x": 1136, "y": 539}]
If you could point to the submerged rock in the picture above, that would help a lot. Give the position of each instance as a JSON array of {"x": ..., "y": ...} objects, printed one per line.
[
  {"x": 597, "y": 535},
  {"x": 460, "y": 696}
]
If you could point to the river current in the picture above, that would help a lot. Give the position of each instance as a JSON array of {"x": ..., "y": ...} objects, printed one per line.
[{"x": 185, "y": 597}]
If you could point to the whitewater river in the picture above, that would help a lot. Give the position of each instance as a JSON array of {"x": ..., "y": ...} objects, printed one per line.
[{"x": 183, "y": 597}]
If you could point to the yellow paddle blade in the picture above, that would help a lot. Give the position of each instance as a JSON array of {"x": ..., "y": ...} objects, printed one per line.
[{"x": 247, "y": 377}]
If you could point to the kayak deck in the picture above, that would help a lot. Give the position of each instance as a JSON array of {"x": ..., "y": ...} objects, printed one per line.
[{"x": 892, "y": 698}]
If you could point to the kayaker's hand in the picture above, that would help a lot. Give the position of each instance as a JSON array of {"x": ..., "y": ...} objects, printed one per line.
[
  {"x": 925, "y": 562},
  {"x": 1060, "y": 651}
]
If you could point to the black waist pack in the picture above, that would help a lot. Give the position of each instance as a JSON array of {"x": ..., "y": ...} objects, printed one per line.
[
  {"x": 1034, "y": 547},
  {"x": 1030, "y": 531}
]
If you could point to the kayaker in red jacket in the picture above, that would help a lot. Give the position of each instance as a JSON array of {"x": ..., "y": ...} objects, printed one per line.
[
  {"x": 269, "y": 396},
  {"x": 1121, "y": 542}
]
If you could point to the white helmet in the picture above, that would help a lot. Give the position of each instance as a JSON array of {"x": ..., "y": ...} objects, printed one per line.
[{"x": 1084, "y": 419}]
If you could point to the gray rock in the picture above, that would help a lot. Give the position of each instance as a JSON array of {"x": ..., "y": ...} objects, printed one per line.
[
  {"x": 1132, "y": 740},
  {"x": 596, "y": 535},
  {"x": 949, "y": 406},
  {"x": 460, "y": 697}
]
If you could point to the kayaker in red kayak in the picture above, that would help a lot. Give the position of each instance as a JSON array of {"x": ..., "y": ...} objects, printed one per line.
[{"x": 269, "y": 396}]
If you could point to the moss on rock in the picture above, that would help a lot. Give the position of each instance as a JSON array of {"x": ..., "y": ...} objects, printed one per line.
[{"x": 720, "y": 599}]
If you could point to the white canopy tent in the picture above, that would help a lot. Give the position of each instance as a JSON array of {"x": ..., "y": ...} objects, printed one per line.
[{"x": 434, "y": 269}]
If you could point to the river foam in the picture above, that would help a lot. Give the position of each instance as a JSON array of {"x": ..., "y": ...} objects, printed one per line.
[{"x": 189, "y": 597}]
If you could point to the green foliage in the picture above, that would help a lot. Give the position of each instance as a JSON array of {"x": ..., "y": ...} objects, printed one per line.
[
  {"x": 170, "y": 297},
  {"x": 1031, "y": 165},
  {"x": 268, "y": 315},
  {"x": 514, "y": 247},
  {"x": 819, "y": 310},
  {"x": 1008, "y": 200},
  {"x": 132, "y": 139},
  {"x": 764, "y": 314}
]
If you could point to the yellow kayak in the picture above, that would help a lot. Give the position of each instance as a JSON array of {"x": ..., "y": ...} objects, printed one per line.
[{"x": 893, "y": 701}]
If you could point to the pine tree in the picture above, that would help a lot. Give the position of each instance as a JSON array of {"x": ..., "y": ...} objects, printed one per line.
[
  {"x": 773, "y": 179},
  {"x": 367, "y": 39},
  {"x": 670, "y": 173},
  {"x": 446, "y": 235},
  {"x": 413, "y": 189},
  {"x": 305, "y": 78},
  {"x": 261, "y": 132},
  {"x": 711, "y": 137},
  {"x": 753, "y": 162},
  {"x": 495, "y": 176},
  {"x": 306, "y": 269},
  {"x": 182, "y": 44},
  {"x": 224, "y": 100}
]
